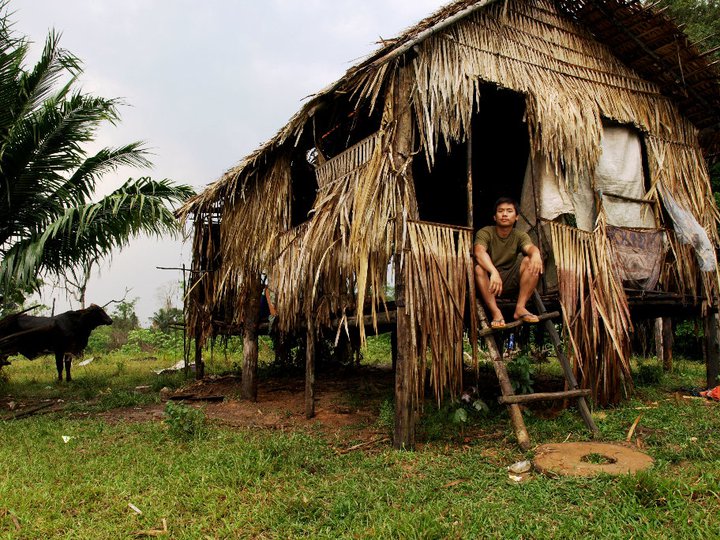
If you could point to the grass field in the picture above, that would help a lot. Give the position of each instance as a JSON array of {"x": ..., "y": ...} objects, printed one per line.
[{"x": 198, "y": 479}]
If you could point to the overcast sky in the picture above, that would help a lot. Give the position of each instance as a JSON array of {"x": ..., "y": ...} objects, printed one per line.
[{"x": 206, "y": 83}]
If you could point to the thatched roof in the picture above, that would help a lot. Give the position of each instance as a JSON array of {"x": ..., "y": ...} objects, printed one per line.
[{"x": 643, "y": 38}]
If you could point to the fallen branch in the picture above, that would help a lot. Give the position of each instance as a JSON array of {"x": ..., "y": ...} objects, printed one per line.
[
  {"x": 32, "y": 410},
  {"x": 363, "y": 445}
]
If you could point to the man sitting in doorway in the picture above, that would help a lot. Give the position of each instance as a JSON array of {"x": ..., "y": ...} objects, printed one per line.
[{"x": 501, "y": 268}]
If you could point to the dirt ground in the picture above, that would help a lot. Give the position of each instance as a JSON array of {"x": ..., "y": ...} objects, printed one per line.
[
  {"x": 347, "y": 404},
  {"x": 344, "y": 405}
]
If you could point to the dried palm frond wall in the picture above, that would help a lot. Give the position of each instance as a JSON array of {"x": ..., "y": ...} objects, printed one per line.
[
  {"x": 338, "y": 259},
  {"x": 439, "y": 277},
  {"x": 595, "y": 311},
  {"x": 253, "y": 216},
  {"x": 335, "y": 254}
]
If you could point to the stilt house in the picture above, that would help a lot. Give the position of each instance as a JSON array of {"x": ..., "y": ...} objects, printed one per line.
[{"x": 598, "y": 115}]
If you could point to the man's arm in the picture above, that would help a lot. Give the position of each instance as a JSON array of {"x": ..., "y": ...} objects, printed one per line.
[
  {"x": 536, "y": 264},
  {"x": 483, "y": 259}
]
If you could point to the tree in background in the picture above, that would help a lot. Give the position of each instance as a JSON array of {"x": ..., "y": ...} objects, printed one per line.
[
  {"x": 49, "y": 223},
  {"x": 700, "y": 20},
  {"x": 124, "y": 316},
  {"x": 167, "y": 319}
]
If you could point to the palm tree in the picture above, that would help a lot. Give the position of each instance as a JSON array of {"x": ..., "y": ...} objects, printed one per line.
[{"x": 49, "y": 222}]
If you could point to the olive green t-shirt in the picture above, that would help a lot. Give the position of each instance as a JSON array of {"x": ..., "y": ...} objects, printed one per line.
[{"x": 503, "y": 251}]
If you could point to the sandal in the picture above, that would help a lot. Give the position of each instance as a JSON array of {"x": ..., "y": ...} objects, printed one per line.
[
  {"x": 529, "y": 318},
  {"x": 497, "y": 323}
]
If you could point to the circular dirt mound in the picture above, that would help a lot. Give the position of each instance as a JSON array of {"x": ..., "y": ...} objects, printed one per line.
[{"x": 589, "y": 459}]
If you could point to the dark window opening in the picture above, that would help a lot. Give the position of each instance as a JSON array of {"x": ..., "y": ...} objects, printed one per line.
[
  {"x": 304, "y": 184},
  {"x": 334, "y": 127},
  {"x": 500, "y": 151},
  {"x": 501, "y": 148},
  {"x": 340, "y": 125}
]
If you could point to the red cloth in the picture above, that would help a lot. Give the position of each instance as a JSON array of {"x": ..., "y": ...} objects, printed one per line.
[{"x": 712, "y": 394}]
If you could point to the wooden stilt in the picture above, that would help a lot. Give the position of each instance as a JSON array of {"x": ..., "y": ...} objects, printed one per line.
[
  {"x": 664, "y": 342},
  {"x": 251, "y": 314},
  {"x": 469, "y": 188},
  {"x": 712, "y": 349},
  {"x": 404, "y": 433},
  {"x": 310, "y": 369},
  {"x": 199, "y": 364},
  {"x": 393, "y": 349}
]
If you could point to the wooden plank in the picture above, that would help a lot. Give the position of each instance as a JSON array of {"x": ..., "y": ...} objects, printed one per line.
[
  {"x": 544, "y": 396},
  {"x": 509, "y": 326},
  {"x": 310, "y": 369},
  {"x": 251, "y": 315}
]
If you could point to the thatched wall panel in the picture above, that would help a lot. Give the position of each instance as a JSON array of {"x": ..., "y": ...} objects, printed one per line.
[{"x": 439, "y": 279}]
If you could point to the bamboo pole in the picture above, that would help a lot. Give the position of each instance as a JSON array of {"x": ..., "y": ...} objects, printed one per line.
[{"x": 544, "y": 396}]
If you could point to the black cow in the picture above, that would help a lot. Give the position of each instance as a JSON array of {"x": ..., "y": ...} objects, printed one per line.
[{"x": 66, "y": 335}]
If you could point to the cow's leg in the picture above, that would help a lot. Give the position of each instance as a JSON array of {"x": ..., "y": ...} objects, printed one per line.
[
  {"x": 68, "y": 363},
  {"x": 59, "y": 364}
]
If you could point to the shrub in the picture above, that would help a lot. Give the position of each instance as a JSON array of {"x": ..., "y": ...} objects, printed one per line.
[{"x": 183, "y": 421}]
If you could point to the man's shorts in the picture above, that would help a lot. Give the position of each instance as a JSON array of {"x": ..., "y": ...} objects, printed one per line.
[{"x": 511, "y": 277}]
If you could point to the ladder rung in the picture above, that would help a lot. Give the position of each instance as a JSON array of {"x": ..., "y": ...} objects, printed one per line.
[
  {"x": 543, "y": 317},
  {"x": 544, "y": 396}
]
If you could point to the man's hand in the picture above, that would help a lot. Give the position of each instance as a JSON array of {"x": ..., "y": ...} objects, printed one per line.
[
  {"x": 495, "y": 283},
  {"x": 536, "y": 265}
]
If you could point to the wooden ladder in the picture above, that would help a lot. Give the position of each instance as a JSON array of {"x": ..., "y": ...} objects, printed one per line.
[{"x": 509, "y": 397}]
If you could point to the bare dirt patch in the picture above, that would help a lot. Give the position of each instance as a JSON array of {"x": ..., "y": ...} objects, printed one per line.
[{"x": 346, "y": 405}]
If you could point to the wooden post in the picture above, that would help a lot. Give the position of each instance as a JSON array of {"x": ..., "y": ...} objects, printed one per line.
[
  {"x": 251, "y": 315},
  {"x": 199, "y": 364},
  {"x": 712, "y": 349},
  {"x": 664, "y": 342},
  {"x": 404, "y": 433},
  {"x": 310, "y": 369}
]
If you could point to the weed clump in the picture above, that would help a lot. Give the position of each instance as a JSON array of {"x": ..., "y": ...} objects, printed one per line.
[
  {"x": 386, "y": 418},
  {"x": 183, "y": 421}
]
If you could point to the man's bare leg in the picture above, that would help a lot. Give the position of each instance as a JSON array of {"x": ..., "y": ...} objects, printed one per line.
[
  {"x": 528, "y": 282},
  {"x": 482, "y": 280}
]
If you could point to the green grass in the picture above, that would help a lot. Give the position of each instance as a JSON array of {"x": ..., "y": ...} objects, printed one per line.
[{"x": 240, "y": 483}]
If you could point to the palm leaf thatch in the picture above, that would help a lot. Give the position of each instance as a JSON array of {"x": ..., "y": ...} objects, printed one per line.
[
  {"x": 595, "y": 311},
  {"x": 439, "y": 277}
]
